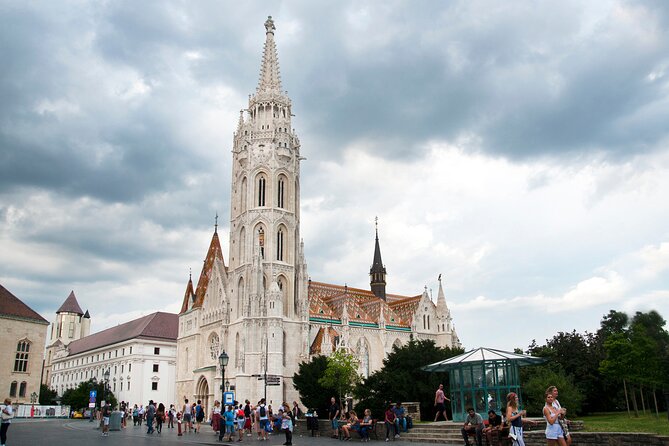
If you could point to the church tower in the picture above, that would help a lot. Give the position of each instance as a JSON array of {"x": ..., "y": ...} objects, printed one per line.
[
  {"x": 71, "y": 324},
  {"x": 267, "y": 270},
  {"x": 377, "y": 273}
]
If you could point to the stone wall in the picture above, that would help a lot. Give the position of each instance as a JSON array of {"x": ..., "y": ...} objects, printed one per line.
[{"x": 538, "y": 438}]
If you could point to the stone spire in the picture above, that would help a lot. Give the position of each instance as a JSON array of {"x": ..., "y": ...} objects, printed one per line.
[
  {"x": 442, "y": 308},
  {"x": 270, "y": 80},
  {"x": 377, "y": 273}
]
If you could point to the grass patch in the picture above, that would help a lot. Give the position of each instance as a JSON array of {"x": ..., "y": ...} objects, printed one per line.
[{"x": 621, "y": 422}]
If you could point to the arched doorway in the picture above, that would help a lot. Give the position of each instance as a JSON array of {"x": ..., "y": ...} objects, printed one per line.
[{"x": 202, "y": 394}]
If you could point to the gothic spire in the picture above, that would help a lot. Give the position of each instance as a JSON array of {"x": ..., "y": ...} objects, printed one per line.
[
  {"x": 377, "y": 272},
  {"x": 270, "y": 80},
  {"x": 442, "y": 308}
]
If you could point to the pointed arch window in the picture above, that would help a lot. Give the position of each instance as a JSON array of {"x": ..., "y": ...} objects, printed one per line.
[
  {"x": 262, "y": 186},
  {"x": 21, "y": 360},
  {"x": 243, "y": 194},
  {"x": 280, "y": 199},
  {"x": 279, "y": 245},
  {"x": 22, "y": 389},
  {"x": 12, "y": 388}
]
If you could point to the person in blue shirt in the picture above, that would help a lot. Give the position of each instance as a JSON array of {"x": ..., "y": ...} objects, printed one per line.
[
  {"x": 400, "y": 418},
  {"x": 229, "y": 417}
]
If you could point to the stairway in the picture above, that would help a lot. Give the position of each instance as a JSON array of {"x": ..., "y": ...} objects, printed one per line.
[{"x": 443, "y": 432}]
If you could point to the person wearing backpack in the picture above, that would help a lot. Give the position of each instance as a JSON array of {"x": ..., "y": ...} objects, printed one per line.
[
  {"x": 241, "y": 421},
  {"x": 150, "y": 414},
  {"x": 199, "y": 416},
  {"x": 264, "y": 420}
]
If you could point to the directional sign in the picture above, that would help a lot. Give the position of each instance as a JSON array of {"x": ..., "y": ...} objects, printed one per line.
[
  {"x": 91, "y": 404},
  {"x": 273, "y": 380},
  {"x": 93, "y": 394}
]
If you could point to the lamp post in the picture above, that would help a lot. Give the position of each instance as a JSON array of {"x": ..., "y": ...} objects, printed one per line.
[
  {"x": 105, "y": 376},
  {"x": 223, "y": 359}
]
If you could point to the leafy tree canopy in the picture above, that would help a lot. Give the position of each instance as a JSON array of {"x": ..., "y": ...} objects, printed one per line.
[
  {"x": 306, "y": 382},
  {"x": 535, "y": 387},
  {"x": 78, "y": 397},
  {"x": 46, "y": 395},
  {"x": 400, "y": 378},
  {"x": 341, "y": 373}
]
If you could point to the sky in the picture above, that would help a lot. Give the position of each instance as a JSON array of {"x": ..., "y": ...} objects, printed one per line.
[{"x": 520, "y": 149}]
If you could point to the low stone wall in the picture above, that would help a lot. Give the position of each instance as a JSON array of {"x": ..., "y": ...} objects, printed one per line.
[{"x": 538, "y": 438}]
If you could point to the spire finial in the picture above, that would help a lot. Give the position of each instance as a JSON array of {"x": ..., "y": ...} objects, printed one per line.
[
  {"x": 216, "y": 223},
  {"x": 269, "y": 25},
  {"x": 439, "y": 278},
  {"x": 190, "y": 274},
  {"x": 376, "y": 225}
]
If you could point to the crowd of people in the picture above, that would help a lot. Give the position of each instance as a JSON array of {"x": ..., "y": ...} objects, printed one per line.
[{"x": 239, "y": 420}]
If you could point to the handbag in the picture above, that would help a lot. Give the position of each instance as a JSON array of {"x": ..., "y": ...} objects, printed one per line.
[{"x": 6, "y": 416}]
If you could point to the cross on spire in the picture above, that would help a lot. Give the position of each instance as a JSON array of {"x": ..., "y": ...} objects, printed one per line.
[{"x": 216, "y": 224}]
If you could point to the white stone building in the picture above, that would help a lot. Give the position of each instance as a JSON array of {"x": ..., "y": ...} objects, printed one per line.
[
  {"x": 262, "y": 308},
  {"x": 140, "y": 356}
]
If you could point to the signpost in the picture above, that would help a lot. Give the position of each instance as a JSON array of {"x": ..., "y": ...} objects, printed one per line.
[{"x": 228, "y": 398}]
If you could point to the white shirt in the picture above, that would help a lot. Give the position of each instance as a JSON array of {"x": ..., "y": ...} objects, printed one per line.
[{"x": 10, "y": 412}]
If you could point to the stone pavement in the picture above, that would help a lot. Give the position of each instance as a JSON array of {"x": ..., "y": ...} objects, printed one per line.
[{"x": 81, "y": 432}]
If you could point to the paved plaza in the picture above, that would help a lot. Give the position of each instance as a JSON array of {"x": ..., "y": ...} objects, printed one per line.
[{"x": 82, "y": 432}]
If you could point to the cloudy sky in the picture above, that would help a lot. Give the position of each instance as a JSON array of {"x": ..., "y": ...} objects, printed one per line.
[{"x": 520, "y": 149}]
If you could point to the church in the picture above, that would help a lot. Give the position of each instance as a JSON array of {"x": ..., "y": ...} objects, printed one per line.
[{"x": 262, "y": 308}]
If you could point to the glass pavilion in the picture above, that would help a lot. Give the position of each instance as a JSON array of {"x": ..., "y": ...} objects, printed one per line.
[{"x": 481, "y": 379}]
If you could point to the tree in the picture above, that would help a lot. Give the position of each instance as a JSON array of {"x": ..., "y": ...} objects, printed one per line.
[
  {"x": 78, "y": 397},
  {"x": 46, "y": 395},
  {"x": 543, "y": 376},
  {"x": 341, "y": 373},
  {"x": 306, "y": 382},
  {"x": 401, "y": 379}
]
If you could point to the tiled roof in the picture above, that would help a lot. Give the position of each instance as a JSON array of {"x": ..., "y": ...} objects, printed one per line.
[
  {"x": 213, "y": 253},
  {"x": 12, "y": 306},
  {"x": 398, "y": 310},
  {"x": 158, "y": 326},
  {"x": 70, "y": 305},
  {"x": 318, "y": 341}
]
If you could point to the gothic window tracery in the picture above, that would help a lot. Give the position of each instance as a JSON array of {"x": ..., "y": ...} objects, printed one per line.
[
  {"x": 279, "y": 245},
  {"x": 281, "y": 186},
  {"x": 262, "y": 184}
]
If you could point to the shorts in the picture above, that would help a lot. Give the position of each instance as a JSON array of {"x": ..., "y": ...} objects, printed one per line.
[
  {"x": 105, "y": 421},
  {"x": 229, "y": 429},
  {"x": 240, "y": 424},
  {"x": 264, "y": 423},
  {"x": 335, "y": 424},
  {"x": 187, "y": 417},
  {"x": 199, "y": 418},
  {"x": 441, "y": 407}
]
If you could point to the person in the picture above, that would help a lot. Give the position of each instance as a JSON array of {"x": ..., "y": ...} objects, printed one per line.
[
  {"x": 263, "y": 416},
  {"x": 135, "y": 415},
  {"x": 440, "y": 403},
  {"x": 473, "y": 423},
  {"x": 564, "y": 423},
  {"x": 248, "y": 425},
  {"x": 150, "y": 414},
  {"x": 186, "y": 413},
  {"x": 241, "y": 422},
  {"x": 494, "y": 426},
  {"x": 216, "y": 417},
  {"x": 366, "y": 425},
  {"x": 142, "y": 411},
  {"x": 229, "y": 418},
  {"x": 171, "y": 414},
  {"x": 400, "y": 418},
  {"x": 124, "y": 409},
  {"x": 353, "y": 424},
  {"x": 390, "y": 422},
  {"x": 106, "y": 413},
  {"x": 7, "y": 415},
  {"x": 554, "y": 432},
  {"x": 287, "y": 428},
  {"x": 160, "y": 417},
  {"x": 515, "y": 419},
  {"x": 199, "y": 415},
  {"x": 333, "y": 416}
]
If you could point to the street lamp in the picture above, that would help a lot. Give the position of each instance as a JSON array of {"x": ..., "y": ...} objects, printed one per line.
[
  {"x": 227, "y": 385},
  {"x": 105, "y": 377},
  {"x": 223, "y": 359},
  {"x": 33, "y": 398}
]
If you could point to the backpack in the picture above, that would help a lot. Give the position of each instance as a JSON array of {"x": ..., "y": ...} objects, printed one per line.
[
  {"x": 263, "y": 412},
  {"x": 240, "y": 414}
]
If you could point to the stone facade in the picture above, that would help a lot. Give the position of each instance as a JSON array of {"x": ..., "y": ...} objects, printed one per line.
[
  {"x": 22, "y": 342},
  {"x": 262, "y": 309}
]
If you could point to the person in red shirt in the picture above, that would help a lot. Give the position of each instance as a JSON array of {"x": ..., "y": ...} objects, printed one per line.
[
  {"x": 390, "y": 422},
  {"x": 440, "y": 402}
]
